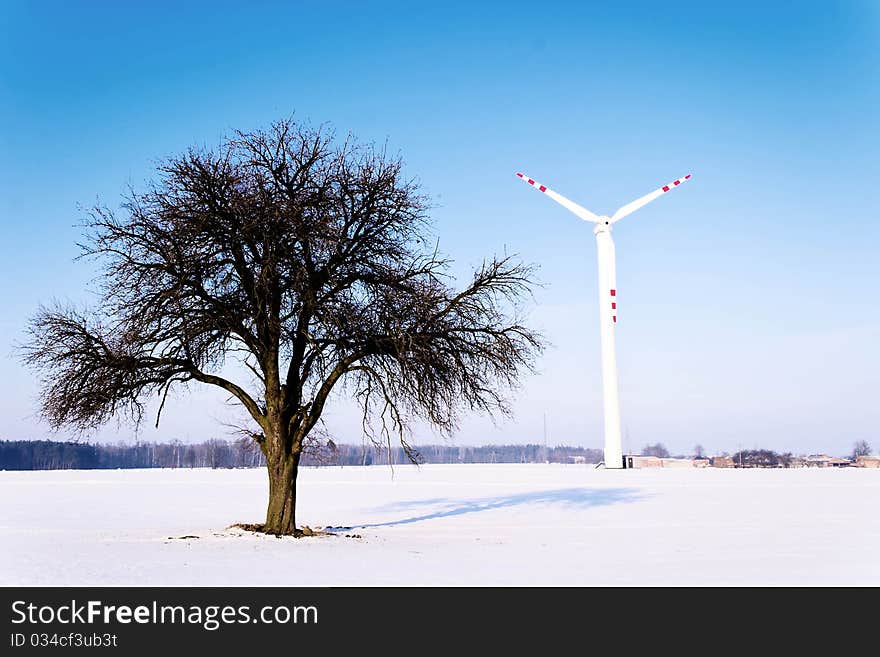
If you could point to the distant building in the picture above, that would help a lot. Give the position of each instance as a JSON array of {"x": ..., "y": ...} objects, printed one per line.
[
  {"x": 639, "y": 461},
  {"x": 722, "y": 462},
  {"x": 825, "y": 461},
  {"x": 867, "y": 462}
]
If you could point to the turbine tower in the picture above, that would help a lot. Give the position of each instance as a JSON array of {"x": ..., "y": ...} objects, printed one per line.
[{"x": 607, "y": 304}]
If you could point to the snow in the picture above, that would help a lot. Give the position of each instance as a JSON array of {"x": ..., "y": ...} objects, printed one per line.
[{"x": 530, "y": 524}]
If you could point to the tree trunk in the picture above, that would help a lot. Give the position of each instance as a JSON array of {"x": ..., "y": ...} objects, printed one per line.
[{"x": 281, "y": 514}]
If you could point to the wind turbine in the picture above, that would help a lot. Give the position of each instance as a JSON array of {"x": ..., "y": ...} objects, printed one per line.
[{"x": 607, "y": 303}]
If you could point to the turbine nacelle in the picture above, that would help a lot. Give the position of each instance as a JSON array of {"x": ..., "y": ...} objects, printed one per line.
[{"x": 603, "y": 225}]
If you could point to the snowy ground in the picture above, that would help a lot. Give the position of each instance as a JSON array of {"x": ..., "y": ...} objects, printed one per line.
[{"x": 446, "y": 525}]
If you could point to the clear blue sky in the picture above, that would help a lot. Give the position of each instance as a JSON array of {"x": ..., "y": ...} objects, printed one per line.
[{"x": 748, "y": 298}]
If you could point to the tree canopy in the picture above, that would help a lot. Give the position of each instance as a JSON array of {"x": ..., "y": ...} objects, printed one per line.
[{"x": 308, "y": 260}]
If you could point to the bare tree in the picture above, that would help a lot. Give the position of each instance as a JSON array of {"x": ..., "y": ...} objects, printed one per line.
[
  {"x": 861, "y": 448},
  {"x": 658, "y": 449},
  {"x": 699, "y": 452},
  {"x": 306, "y": 260}
]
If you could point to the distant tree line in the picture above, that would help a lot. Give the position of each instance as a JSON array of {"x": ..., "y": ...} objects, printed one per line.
[
  {"x": 52, "y": 455},
  {"x": 372, "y": 454},
  {"x": 245, "y": 453}
]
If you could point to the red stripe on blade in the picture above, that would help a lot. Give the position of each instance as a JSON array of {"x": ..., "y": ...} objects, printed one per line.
[
  {"x": 613, "y": 306},
  {"x": 613, "y": 293},
  {"x": 687, "y": 176},
  {"x": 542, "y": 188},
  {"x": 665, "y": 188},
  {"x": 615, "y": 319}
]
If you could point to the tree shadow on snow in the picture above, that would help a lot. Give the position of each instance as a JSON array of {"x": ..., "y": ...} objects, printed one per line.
[{"x": 579, "y": 498}]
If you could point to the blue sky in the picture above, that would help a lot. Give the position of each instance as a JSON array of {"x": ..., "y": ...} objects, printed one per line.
[{"x": 748, "y": 298}]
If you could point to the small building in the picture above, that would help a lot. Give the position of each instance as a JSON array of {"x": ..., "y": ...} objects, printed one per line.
[
  {"x": 825, "y": 461},
  {"x": 639, "y": 461},
  {"x": 867, "y": 462},
  {"x": 722, "y": 462}
]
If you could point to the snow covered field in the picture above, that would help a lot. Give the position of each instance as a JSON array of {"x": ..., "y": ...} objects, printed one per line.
[{"x": 446, "y": 525}]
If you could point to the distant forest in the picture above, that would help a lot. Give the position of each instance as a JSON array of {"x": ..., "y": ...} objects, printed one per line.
[{"x": 244, "y": 453}]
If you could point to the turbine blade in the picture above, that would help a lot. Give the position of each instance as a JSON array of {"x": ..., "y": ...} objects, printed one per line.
[
  {"x": 580, "y": 211},
  {"x": 629, "y": 208}
]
